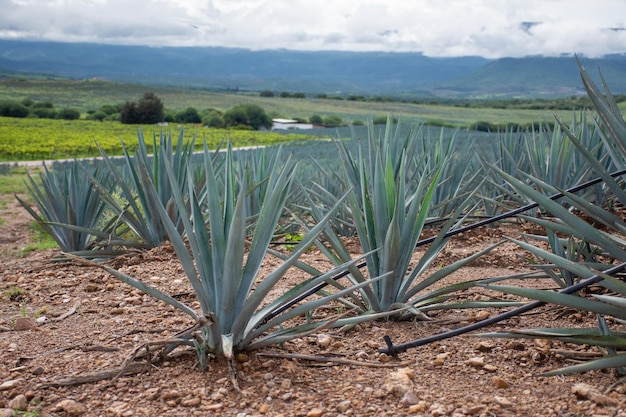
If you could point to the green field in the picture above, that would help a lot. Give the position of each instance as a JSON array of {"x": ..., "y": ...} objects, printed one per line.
[
  {"x": 34, "y": 139},
  {"x": 92, "y": 94}
]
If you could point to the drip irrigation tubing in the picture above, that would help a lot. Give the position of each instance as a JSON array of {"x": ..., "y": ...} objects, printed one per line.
[
  {"x": 393, "y": 350},
  {"x": 422, "y": 242}
]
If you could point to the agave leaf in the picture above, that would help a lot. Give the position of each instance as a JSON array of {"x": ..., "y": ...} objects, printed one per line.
[
  {"x": 444, "y": 272},
  {"x": 139, "y": 285},
  {"x": 253, "y": 332},
  {"x": 612, "y": 361},
  {"x": 563, "y": 299},
  {"x": 256, "y": 297}
]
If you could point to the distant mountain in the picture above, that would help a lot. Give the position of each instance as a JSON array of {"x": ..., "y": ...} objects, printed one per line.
[
  {"x": 367, "y": 73},
  {"x": 536, "y": 76}
]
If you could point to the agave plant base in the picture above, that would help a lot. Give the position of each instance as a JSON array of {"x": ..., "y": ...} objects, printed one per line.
[{"x": 109, "y": 321}]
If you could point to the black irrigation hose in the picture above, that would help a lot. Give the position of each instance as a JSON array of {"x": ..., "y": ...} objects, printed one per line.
[
  {"x": 395, "y": 349},
  {"x": 422, "y": 242}
]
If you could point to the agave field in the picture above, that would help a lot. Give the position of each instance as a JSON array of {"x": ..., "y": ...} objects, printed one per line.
[{"x": 345, "y": 248}]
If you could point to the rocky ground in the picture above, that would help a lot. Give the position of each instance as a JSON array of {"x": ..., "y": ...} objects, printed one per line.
[{"x": 60, "y": 321}]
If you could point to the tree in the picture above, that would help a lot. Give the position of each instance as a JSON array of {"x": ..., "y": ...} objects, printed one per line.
[
  {"x": 316, "y": 119},
  {"x": 190, "y": 115},
  {"x": 247, "y": 114},
  {"x": 149, "y": 110},
  {"x": 128, "y": 114},
  {"x": 266, "y": 93}
]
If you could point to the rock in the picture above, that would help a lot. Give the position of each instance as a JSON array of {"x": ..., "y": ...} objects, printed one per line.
[
  {"x": 420, "y": 407},
  {"x": 344, "y": 406},
  {"x": 324, "y": 340},
  {"x": 483, "y": 347},
  {"x": 6, "y": 412},
  {"x": 70, "y": 407},
  {"x": 19, "y": 403},
  {"x": 286, "y": 384},
  {"x": 191, "y": 402},
  {"x": 24, "y": 323},
  {"x": 476, "y": 362},
  {"x": 10, "y": 384},
  {"x": 441, "y": 358},
  {"x": 362, "y": 355},
  {"x": 316, "y": 412},
  {"x": 410, "y": 398},
  {"x": 383, "y": 358},
  {"x": 490, "y": 368},
  {"x": 242, "y": 357},
  {"x": 264, "y": 408},
  {"x": 503, "y": 402},
  {"x": 588, "y": 392},
  {"x": 437, "y": 410},
  {"x": 500, "y": 383},
  {"x": 398, "y": 383}
]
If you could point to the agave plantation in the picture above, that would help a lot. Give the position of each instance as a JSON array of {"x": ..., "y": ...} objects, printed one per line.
[{"x": 225, "y": 211}]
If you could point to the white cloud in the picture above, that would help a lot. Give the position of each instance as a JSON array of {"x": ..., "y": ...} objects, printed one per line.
[{"x": 490, "y": 28}]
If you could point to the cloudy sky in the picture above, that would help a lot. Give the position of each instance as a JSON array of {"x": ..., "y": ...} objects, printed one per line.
[{"x": 489, "y": 28}]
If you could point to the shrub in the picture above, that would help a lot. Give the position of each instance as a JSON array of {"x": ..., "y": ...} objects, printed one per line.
[
  {"x": 13, "y": 109},
  {"x": 68, "y": 114},
  {"x": 189, "y": 115}
]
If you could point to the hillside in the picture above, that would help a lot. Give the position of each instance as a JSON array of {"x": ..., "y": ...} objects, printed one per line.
[{"x": 371, "y": 73}]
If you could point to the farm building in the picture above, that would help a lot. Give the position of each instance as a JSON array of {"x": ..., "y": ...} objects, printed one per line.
[{"x": 286, "y": 124}]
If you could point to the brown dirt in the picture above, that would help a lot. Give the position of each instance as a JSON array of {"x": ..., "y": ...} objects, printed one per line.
[{"x": 112, "y": 319}]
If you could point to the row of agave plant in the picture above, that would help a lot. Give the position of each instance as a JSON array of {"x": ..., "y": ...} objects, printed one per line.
[{"x": 223, "y": 210}]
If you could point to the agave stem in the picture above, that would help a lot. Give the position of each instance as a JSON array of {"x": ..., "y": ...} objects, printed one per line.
[{"x": 395, "y": 349}]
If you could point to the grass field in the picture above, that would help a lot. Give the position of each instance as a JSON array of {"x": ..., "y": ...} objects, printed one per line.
[{"x": 92, "y": 94}]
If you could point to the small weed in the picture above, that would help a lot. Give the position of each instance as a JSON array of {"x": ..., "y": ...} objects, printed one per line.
[
  {"x": 293, "y": 238},
  {"x": 16, "y": 294},
  {"x": 31, "y": 413}
]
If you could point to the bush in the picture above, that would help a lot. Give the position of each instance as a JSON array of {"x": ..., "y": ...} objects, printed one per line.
[
  {"x": 266, "y": 93},
  {"x": 13, "y": 109},
  {"x": 190, "y": 115},
  {"x": 68, "y": 114},
  {"x": 99, "y": 116},
  {"x": 332, "y": 121},
  {"x": 44, "y": 112},
  {"x": 316, "y": 119},
  {"x": 213, "y": 119}
]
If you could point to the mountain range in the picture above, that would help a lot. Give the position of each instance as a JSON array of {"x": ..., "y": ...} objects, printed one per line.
[{"x": 329, "y": 72}]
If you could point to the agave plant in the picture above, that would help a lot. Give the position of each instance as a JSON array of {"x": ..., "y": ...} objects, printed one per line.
[
  {"x": 136, "y": 221},
  {"x": 68, "y": 207},
  {"x": 223, "y": 267},
  {"x": 393, "y": 182},
  {"x": 609, "y": 242}
]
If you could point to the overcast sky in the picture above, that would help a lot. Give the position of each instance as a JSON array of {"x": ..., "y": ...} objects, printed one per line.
[{"x": 489, "y": 28}]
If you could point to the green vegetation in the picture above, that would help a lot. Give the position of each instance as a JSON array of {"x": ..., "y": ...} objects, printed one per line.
[
  {"x": 89, "y": 96},
  {"x": 222, "y": 211},
  {"x": 33, "y": 139},
  {"x": 16, "y": 294}
]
